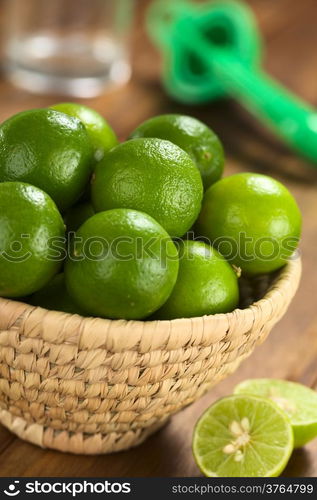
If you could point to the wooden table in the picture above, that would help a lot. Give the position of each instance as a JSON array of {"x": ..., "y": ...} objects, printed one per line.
[{"x": 291, "y": 350}]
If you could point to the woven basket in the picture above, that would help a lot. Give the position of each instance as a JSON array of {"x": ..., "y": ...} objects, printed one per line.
[{"x": 92, "y": 386}]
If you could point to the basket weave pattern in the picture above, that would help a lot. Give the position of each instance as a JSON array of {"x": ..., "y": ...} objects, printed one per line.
[{"x": 88, "y": 385}]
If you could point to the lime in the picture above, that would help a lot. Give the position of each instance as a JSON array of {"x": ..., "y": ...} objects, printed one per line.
[
  {"x": 77, "y": 215},
  {"x": 101, "y": 134},
  {"x": 55, "y": 297},
  {"x": 49, "y": 150},
  {"x": 31, "y": 231},
  {"x": 253, "y": 220},
  {"x": 194, "y": 137},
  {"x": 297, "y": 400},
  {"x": 206, "y": 284},
  {"x": 153, "y": 176},
  {"x": 242, "y": 436},
  {"x": 123, "y": 265}
]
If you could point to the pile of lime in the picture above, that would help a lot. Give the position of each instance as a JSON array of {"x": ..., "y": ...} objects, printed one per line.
[
  {"x": 253, "y": 432},
  {"x": 138, "y": 230}
]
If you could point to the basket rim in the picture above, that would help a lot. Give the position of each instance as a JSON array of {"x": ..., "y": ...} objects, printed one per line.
[{"x": 286, "y": 281}]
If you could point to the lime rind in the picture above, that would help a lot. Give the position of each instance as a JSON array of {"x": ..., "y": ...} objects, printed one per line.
[
  {"x": 296, "y": 400},
  {"x": 243, "y": 436},
  {"x": 102, "y": 136}
]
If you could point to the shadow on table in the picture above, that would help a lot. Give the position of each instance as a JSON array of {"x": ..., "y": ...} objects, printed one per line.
[{"x": 299, "y": 464}]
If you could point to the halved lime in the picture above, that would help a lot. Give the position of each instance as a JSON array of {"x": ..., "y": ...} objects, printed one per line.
[
  {"x": 297, "y": 400},
  {"x": 243, "y": 436}
]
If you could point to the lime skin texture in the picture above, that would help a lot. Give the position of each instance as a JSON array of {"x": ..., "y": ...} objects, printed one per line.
[
  {"x": 193, "y": 136},
  {"x": 49, "y": 150},
  {"x": 242, "y": 436},
  {"x": 77, "y": 215},
  {"x": 29, "y": 225},
  {"x": 253, "y": 220},
  {"x": 55, "y": 297},
  {"x": 206, "y": 284},
  {"x": 153, "y": 176},
  {"x": 296, "y": 400},
  {"x": 101, "y": 135},
  {"x": 124, "y": 265}
]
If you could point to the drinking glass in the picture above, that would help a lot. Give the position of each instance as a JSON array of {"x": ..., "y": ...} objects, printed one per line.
[{"x": 71, "y": 47}]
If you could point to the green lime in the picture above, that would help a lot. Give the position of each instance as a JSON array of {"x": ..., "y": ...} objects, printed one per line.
[
  {"x": 152, "y": 176},
  {"x": 49, "y": 150},
  {"x": 31, "y": 232},
  {"x": 77, "y": 215},
  {"x": 101, "y": 134},
  {"x": 297, "y": 400},
  {"x": 206, "y": 284},
  {"x": 194, "y": 137},
  {"x": 253, "y": 220},
  {"x": 243, "y": 436},
  {"x": 55, "y": 297},
  {"x": 123, "y": 265}
]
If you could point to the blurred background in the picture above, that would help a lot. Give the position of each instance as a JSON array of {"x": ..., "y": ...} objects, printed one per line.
[
  {"x": 76, "y": 48},
  {"x": 118, "y": 74},
  {"x": 89, "y": 49}
]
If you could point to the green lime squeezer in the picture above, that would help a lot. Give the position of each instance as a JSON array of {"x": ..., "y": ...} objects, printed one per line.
[{"x": 212, "y": 50}]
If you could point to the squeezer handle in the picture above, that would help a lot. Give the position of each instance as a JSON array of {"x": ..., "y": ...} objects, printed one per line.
[
  {"x": 288, "y": 116},
  {"x": 174, "y": 29}
]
